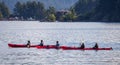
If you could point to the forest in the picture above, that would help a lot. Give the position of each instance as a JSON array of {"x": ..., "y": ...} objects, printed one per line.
[{"x": 82, "y": 10}]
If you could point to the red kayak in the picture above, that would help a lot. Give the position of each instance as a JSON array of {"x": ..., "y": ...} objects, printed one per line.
[
  {"x": 31, "y": 46},
  {"x": 20, "y": 45},
  {"x": 77, "y": 48}
]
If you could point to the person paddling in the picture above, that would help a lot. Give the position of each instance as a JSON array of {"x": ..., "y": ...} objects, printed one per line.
[
  {"x": 57, "y": 44},
  {"x": 41, "y": 43},
  {"x": 28, "y": 44},
  {"x": 82, "y": 46},
  {"x": 96, "y": 46}
]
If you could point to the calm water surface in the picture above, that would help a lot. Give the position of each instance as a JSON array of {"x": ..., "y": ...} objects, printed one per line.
[{"x": 70, "y": 34}]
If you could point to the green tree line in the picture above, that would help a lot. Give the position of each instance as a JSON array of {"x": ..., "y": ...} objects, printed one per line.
[
  {"x": 30, "y": 9},
  {"x": 83, "y": 10},
  {"x": 36, "y": 11}
]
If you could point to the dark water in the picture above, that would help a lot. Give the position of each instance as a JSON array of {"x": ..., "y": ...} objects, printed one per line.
[{"x": 70, "y": 34}]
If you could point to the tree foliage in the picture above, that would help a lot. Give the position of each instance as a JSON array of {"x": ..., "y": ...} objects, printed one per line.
[
  {"x": 51, "y": 14},
  {"x": 108, "y": 10},
  {"x": 83, "y": 6},
  {"x": 51, "y": 10},
  {"x": 71, "y": 16},
  {"x": 104, "y": 10},
  {"x": 4, "y": 11},
  {"x": 51, "y": 17},
  {"x": 30, "y": 9}
]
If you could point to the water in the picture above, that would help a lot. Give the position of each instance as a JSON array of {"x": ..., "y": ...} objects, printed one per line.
[{"x": 70, "y": 34}]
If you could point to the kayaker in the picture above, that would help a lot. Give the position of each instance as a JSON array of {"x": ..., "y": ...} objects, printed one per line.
[
  {"x": 41, "y": 43},
  {"x": 82, "y": 46},
  {"x": 57, "y": 44},
  {"x": 28, "y": 44},
  {"x": 96, "y": 46}
]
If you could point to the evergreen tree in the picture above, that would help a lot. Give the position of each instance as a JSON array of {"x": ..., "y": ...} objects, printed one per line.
[
  {"x": 30, "y": 9},
  {"x": 4, "y": 10},
  {"x": 18, "y": 8},
  {"x": 40, "y": 11},
  {"x": 51, "y": 10}
]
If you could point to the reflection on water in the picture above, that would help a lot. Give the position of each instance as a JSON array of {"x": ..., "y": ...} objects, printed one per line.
[
  {"x": 60, "y": 57},
  {"x": 70, "y": 34}
]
